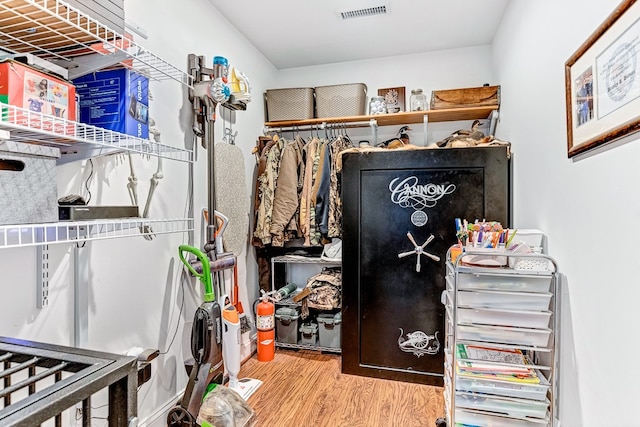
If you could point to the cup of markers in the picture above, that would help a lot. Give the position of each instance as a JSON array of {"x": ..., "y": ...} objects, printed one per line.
[{"x": 485, "y": 238}]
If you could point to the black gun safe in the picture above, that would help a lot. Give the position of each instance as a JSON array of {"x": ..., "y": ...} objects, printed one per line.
[{"x": 393, "y": 318}]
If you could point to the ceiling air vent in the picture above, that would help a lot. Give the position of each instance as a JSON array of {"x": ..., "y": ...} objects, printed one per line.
[{"x": 367, "y": 11}]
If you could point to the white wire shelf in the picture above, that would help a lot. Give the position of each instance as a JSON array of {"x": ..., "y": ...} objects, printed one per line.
[
  {"x": 37, "y": 128},
  {"x": 308, "y": 347},
  {"x": 54, "y": 30},
  {"x": 12, "y": 236},
  {"x": 303, "y": 259}
]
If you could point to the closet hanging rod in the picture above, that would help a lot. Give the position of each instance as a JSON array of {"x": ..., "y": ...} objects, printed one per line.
[{"x": 320, "y": 126}]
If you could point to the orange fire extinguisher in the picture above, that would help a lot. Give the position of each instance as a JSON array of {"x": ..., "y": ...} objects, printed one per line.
[{"x": 266, "y": 324}]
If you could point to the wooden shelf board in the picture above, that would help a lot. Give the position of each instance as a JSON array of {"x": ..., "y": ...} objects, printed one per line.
[{"x": 452, "y": 114}]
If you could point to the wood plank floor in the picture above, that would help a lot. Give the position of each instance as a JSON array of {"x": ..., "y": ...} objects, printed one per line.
[{"x": 306, "y": 388}]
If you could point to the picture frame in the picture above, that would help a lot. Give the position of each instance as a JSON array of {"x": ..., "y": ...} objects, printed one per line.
[
  {"x": 394, "y": 98},
  {"x": 602, "y": 83}
]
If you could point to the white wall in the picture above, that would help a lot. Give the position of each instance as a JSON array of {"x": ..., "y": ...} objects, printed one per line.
[
  {"x": 447, "y": 69},
  {"x": 588, "y": 208},
  {"x": 134, "y": 287}
]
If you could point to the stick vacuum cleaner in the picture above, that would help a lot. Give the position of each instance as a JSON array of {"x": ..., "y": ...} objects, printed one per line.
[
  {"x": 206, "y": 347},
  {"x": 231, "y": 340}
]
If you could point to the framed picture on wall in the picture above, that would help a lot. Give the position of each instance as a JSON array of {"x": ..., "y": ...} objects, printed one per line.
[
  {"x": 602, "y": 81},
  {"x": 394, "y": 98}
]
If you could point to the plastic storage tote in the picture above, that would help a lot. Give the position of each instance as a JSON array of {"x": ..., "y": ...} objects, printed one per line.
[
  {"x": 329, "y": 329},
  {"x": 287, "y": 325},
  {"x": 309, "y": 334}
]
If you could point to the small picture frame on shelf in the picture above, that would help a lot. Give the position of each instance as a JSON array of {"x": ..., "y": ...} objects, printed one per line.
[{"x": 394, "y": 98}]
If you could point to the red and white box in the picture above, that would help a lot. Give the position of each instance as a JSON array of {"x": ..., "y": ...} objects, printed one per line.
[{"x": 50, "y": 101}]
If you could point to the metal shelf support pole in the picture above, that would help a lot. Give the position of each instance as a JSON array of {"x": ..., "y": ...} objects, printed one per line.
[
  {"x": 425, "y": 127},
  {"x": 493, "y": 122},
  {"x": 80, "y": 297},
  {"x": 374, "y": 131},
  {"x": 42, "y": 288}
]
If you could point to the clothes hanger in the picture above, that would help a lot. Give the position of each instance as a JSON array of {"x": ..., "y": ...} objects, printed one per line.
[{"x": 298, "y": 137}]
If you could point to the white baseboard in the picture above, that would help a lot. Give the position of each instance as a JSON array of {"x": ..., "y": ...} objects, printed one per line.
[
  {"x": 159, "y": 418},
  {"x": 248, "y": 348}
]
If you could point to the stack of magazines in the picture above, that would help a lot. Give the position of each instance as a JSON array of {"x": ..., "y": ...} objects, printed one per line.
[{"x": 494, "y": 364}]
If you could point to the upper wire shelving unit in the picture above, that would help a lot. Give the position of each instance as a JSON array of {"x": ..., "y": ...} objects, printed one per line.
[
  {"x": 54, "y": 30},
  {"x": 62, "y": 34},
  {"x": 34, "y": 127}
]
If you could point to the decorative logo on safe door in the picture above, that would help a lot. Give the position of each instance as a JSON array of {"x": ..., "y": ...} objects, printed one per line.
[
  {"x": 406, "y": 193},
  {"x": 419, "y": 343}
]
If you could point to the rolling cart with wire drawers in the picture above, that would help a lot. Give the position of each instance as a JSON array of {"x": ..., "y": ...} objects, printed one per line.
[{"x": 492, "y": 314}]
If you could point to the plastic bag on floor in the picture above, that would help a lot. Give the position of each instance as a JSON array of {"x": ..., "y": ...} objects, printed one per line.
[{"x": 224, "y": 407}]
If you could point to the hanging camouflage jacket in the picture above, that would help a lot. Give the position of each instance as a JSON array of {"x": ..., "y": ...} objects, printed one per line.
[
  {"x": 267, "y": 185},
  {"x": 335, "y": 199},
  {"x": 286, "y": 200}
]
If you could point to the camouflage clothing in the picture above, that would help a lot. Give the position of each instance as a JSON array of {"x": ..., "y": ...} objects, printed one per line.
[
  {"x": 326, "y": 291},
  {"x": 305, "y": 200},
  {"x": 263, "y": 145},
  {"x": 335, "y": 200},
  {"x": 286, "y": 201},
  {"x": 321, "y": 190},
  {"x": 314, "y": 231},
  {"x": 267, "y": 185}
]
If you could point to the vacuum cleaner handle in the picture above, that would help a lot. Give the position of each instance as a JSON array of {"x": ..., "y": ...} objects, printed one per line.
[{"x": 205, "y": 277}]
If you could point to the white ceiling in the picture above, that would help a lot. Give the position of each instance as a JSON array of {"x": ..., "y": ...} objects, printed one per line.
[{"x": 296, "y": 33}]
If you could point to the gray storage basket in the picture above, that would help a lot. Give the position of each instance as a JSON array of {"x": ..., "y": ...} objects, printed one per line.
[
  {"x": 28, "y": 186},
  {"x": 341, "y": 100},
  {"x": 289, "y": 104}
]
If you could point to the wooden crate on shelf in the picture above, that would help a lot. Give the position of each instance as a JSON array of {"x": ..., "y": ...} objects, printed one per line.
[{"x": 465, "y": 97}]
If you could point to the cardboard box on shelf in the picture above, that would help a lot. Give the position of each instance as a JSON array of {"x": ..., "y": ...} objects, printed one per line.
[
  {"x": 115, "y": 99},
  {"x": 25, "y": 87}
]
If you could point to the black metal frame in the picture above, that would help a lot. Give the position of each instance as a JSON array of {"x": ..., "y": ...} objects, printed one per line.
[{"x": 91, "y": 371}]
